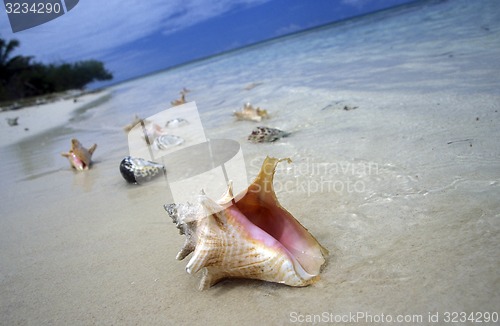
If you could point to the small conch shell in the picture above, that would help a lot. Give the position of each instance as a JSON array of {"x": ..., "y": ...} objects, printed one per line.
[
  {"x": 12, "y": 121},
  {"x": 247, "y": 236},
  {"x": 78, "y": 156},
  {"x": 182, "y": 100},
  {"x": 131, "y": 125},
  {"x": 152, "y": 130},
  {"x": 250, "y": 113}
]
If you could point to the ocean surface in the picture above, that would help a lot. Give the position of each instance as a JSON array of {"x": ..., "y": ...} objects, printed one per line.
[{"x": 395, "y": 146}]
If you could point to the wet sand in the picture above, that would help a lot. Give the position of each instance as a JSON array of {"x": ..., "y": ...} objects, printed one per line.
[
  {"x": 403, "y": 191},
  {"x": 87, "y": 248},
  {"x": 35, "y": 120}
]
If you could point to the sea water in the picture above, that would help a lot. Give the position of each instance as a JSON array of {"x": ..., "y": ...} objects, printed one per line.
[{"x": 396, "y": 163}]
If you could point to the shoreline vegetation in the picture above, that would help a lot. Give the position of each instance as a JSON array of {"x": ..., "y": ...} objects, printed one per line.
[{"x": 25, "y": 82}]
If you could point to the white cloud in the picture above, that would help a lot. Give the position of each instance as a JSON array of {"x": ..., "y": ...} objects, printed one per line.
[
  {"x": 356, "y": 3},
  {"x": 95, "y": 27}
]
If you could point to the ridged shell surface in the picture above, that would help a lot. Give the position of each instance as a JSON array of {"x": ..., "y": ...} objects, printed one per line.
[{"x": 247, "y": 236}]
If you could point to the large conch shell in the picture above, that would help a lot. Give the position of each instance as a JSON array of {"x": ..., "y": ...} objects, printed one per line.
[{"x": 247, "y": 236}]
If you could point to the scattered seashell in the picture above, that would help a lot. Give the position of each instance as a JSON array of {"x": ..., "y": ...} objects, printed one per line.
[
  {"x": 250, "y": 113},
  {"x": 349, "y": 108},
  {"x": 152, "y": 131},
  {"x": 167, "y": 141},
  {"x": 79, "y": 157},
  {"x": 175, "y": 123},
  {"x": 131, "y": 125},
  {"x": 182, "y": 100},
  {"x": 247, "y": 236},
  {"x": 266, "y": 134},
  {"x": 138, "y": 170},
  {"x": 12, "y": 121}
]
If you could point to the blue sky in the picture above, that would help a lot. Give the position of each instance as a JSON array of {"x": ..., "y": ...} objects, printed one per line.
[{"x": 133, "y": 38}]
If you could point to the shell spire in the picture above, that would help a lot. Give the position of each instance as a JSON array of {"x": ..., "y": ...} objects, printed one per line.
[{"x": 248, "y": 236}]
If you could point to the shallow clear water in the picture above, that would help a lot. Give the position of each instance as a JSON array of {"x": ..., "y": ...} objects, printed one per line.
[{"x": 403, "y": 190}]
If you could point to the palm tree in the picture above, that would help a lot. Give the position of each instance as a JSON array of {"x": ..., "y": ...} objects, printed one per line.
[
  {"x": 11, "y": 67},
  {"x": 6, "y": 49},
  {"x": 7, "y": 64},
  {"x": 20, "y": 77}
]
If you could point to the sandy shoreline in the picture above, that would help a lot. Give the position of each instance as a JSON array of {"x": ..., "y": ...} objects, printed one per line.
[
  {"x": 403, "y": 190},
  {"x": 34, "y": 120},
  {"x": 87, "y": 248}
]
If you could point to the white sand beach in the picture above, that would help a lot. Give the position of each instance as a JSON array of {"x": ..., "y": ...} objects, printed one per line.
[
  {"x": 402, "y": 189},
  {"x": 38, "y": 119}
]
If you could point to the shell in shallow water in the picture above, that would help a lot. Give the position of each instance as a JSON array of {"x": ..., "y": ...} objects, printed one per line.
[
  {"x": 176, "y": 123},
  {"x": 167, "y": 141},
  {"x": 182, "y": 100},
  {"x": 152, "y": 131},
  {"x": 266, "y": 135},
  {"x": 250, "y": 113},
  {"x": 138, "y": 170},
  {"x": 78, "y": 156},
  {"x": 131, "y": 125},
  {"x": 247, "y": 236},
  {"x": 12, "y": 121}
]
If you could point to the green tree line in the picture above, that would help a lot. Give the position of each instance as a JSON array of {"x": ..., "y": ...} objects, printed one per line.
[{"x": 21, "y": 76}]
